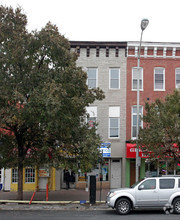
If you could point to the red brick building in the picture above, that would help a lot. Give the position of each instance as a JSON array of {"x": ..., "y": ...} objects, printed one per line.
[{"x": 160, "y": 75}]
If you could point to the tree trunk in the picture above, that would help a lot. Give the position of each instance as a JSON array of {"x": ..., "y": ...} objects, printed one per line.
[{"x": 20, "y": 181}]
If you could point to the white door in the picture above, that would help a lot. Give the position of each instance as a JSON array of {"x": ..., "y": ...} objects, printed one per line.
[
  {"x": 7, "y": 180},
  {"x": 42, "y": 183},
  {"x": 115, "y": 173}
]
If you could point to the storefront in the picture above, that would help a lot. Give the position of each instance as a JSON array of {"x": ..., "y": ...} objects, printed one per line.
[{"x": 131, "y": 164}]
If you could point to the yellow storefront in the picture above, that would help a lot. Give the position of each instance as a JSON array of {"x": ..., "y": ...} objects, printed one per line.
[{"x": 32, "y": 179}]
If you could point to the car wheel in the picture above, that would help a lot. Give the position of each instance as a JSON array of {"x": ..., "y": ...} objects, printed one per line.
[
  {"x": 176, "y": 206},
  {"x": 123, "y": 206}
]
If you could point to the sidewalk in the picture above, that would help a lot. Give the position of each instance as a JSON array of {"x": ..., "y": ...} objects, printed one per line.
[
  {"x": 71, "y": 199},
  {"x": 60, "y": 195}
]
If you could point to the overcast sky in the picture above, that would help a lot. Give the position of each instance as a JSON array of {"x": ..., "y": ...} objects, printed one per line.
[{"x": 105, "y": 20}]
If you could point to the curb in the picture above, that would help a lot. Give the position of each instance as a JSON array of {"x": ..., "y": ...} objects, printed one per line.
[{"x": 49, "y": 202}]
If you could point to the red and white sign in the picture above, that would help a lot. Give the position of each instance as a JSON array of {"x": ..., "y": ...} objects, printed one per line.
[{"x": 131, "y": 151}]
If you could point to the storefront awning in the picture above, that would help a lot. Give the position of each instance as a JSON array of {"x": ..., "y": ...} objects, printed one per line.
[{"x": 131, "y": 151}]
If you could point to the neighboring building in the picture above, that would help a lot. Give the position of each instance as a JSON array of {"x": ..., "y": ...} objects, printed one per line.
[
  {"x": 160, "y": 75},
  {"x": 105, "y": 64},
  {"x": 112, "y": 66}
]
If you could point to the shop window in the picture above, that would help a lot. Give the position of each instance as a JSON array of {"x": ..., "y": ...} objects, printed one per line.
[
  {"x": 14, "y": 175},
  {"x": 29, "y": 175}
]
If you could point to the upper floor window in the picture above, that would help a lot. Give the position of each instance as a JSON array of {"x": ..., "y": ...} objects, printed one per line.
[
  {"x": 134, "y": 120},
  {"x": 135, "y": 78},
  {"x": 92, "y": 115},
  {"x": 92, "y": 78},
  {"x": 114, "y": 122},
  {"x": 159, "y": 79},
  {"x": 114, "y": 78},
  {"x": 178, "y": 78}
]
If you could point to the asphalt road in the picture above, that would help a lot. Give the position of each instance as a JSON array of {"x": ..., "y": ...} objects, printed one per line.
[{"x": 83, "y": 215}]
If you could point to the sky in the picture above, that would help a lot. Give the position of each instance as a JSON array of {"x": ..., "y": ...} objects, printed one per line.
[{"x": 105, "y": 20}]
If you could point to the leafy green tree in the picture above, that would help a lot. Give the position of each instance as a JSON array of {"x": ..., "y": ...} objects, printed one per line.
[
  {"x": 160, "y": 138},
  {"x": 43, "y": 99}
]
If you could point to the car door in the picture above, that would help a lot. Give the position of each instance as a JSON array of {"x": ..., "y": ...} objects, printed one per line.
[
  {"x": 147, "y": 194},
  {"x": 166, "y": 189}
]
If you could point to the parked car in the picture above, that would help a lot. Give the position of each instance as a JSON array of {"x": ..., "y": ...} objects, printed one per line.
[{"x": 155, "y": 192}]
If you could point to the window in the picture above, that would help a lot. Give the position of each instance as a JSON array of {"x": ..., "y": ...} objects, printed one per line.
[
  {"x": 178, "y": 78},
  {"x": 92, "y": 77},
  {"x": 179, "y": 183},
  {"x": 148, "y": 184},
  {"x": 14, "y": 175},
  {"x": 159, "y": 79},
  {"x": 92, "y": 115},
  {"x": 134, "y": 120},
  {"x": 0, "y": 175},
  {"x": 30, "y": 175},
  {"x": 114, "y": 122},
  {"x": 167, "y": 183},
  {"x": 135, "y": 76},
  {"x": 114, "y": 78}
]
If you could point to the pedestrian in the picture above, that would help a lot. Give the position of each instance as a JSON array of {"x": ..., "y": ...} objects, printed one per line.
[{"x": 66, "y": 178}]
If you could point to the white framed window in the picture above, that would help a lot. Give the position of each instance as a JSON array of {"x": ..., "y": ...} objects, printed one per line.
[
  {"x": 135, "y": 77},
  {"x": 92, "y": 115},
  {"x": 0, "y": 175},
  {"x": 134, "y": 120},
  {"x": 114, "y": 78},
  {"x": 178, "y": 78},
  {"x": 114, "y": 122},
  {"x": 159, "y": 79},
  {"x": 29, "y": 175},
  {"x": 14, "y": 175},
  {"x": 92, "y": 78}
]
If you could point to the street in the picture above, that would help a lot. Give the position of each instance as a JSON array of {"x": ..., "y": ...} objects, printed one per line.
[{"x": 83, "y": 215}]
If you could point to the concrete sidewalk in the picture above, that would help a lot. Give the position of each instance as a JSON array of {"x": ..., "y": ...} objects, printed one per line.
[
  {"x": 63, "y": 195},
  {"x": 72, "y": 199}
]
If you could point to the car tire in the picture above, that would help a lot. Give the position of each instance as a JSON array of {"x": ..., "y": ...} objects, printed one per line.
[
  {"x": 123, "y": 206},
  {"x": 176, "y": 206}
]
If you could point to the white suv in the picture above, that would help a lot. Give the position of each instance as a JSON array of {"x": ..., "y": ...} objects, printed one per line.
[{"x": 154, "y": 192}]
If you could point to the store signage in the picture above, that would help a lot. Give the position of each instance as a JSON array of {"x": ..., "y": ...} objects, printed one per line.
[
  {"x": 106, "y": 149},
  {"x": 131, "y": 151},
  {"x": 44, "y": 172}
]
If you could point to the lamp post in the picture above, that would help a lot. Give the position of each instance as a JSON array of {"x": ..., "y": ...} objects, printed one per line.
[{"x": 144, "y": 24}]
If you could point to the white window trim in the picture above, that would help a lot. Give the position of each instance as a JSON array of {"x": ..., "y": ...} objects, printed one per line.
[
  {"x": 142, "y": 80},
  {"x": 175, "y": 78},
  {"x": 118, "y": 128},
  {"x": 110, "y": 77},
  {"x": 96, "y": 76},
  {"x": 134, "y": 138},
  {"x": 163, "y": 79},
  {"x": 114, "y": 112},
  {"x": 34, "y": 175},
  {"x": 12, "y": 176}
]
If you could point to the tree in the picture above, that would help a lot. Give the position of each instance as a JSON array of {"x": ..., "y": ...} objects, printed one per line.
[
  {"x": 160, "y": 138},
  {"x": 43, "y": 99}
]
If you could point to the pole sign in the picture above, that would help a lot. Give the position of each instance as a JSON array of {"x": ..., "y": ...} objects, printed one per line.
[{"x": 106, "y": 149}]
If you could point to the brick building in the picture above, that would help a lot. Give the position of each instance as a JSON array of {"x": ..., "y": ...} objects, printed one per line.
[{"x": 159, "y": 76}]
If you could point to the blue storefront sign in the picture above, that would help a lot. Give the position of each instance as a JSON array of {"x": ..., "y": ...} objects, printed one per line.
[{"x": 106, "y": 149}]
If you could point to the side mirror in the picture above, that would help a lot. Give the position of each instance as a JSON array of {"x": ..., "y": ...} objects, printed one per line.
[{"x": 141, "y": 187}]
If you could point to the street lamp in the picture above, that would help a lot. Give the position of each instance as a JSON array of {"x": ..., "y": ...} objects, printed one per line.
[{"x": 144, "y": 24}]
